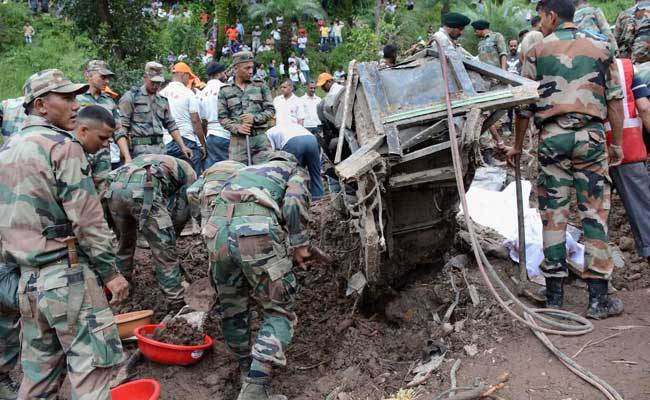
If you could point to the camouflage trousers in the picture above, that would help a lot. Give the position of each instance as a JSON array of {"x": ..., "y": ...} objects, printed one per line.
[
  {"x": 66, "y": 322},
  {"x": 100, "y": 163},
  {"x": 125, "y": 205},
  {"x": 248, "y": 261},
  {"x": 574, "y": 157},
  {"x": 641, "y": 48},
  {"x": 9, "y": 341},
  {"x": 260, "y": 148},
  {"x": 140, "y": 149}
]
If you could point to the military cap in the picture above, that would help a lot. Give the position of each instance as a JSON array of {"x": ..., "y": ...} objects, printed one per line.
[
  {"x": 284, "y": 156},
  {"x": 242, "y": 57},
  {"x": 154, "y": 71},
  {"x": 455, "y": 20},
  {"x": 49, "y": 81},
  {"x": 480, "y": 24},
  {"x": 215, "y": 68},
  {"x": 98, "y": 66}
]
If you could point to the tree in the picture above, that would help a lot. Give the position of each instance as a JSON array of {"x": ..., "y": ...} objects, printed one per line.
[
  {"x": 505, "y": 17},
  {"x": 290, "y": 10},
  {"x": 119, "y": 27}
]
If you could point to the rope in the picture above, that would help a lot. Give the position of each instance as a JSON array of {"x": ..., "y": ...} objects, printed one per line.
[{"x": 531, "y": 316}]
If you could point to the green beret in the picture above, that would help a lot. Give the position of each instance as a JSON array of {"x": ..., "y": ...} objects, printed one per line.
[
  {"x": 480, "y": 24},
  {"x": 455, "y": 20}
]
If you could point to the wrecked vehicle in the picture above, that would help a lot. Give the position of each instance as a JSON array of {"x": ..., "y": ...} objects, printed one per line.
[{"x": 393, "y": 154}]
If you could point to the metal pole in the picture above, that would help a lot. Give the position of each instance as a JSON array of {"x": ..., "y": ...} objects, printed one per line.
[
  {"x": 248, "y": 150},
  {"x": 523, "y": 273}
]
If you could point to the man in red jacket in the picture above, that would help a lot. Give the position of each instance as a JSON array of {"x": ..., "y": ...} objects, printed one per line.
[{"x": 630, "y": 178}]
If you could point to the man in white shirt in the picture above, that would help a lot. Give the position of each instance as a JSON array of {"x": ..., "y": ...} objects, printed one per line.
[
  {"x": 298, "y": 141},
  {"x": 218, "y": 138},
  {"x": 310, "y": 103},
  {"x": 257, "y": 36},
  {"x": 338, "y": 34},
  {"x": 288, "y": 106},
  {"x": 184, "y": 108},
  {"x": 294, "y": 75},
  {"x": 302, "y": 44},
  {"x": 303, "y": 62}
]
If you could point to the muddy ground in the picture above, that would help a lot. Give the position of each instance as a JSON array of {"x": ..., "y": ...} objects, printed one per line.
[{"x": 344, "y": 349}]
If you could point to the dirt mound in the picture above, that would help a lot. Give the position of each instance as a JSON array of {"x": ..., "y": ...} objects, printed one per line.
[{"x": 179, "y": 332}]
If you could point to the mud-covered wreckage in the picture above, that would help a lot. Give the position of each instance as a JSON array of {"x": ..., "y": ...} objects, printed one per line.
[{"x": 394, "y": 160}]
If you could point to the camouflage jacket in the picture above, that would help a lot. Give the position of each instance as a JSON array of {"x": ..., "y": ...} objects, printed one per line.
[
  {"x": 449, "y": 43},
  {"x": 172, "y": 174},
  {"x": 142, "y": 115},
  {"x": 590, "y": 18},
  {"x": 576, "y": 74},
  {"x": 100, "y": 162},
  {"x": 47, "y": 194},
  {"x": 255, "y": 99},
  {"x": 632, "y": 32},
  {"x": 105, "y": 100},
  {"x": 491, "y": 48},
  {"x": 622, "y": 24},
  {"x": 12, "y": 114},
  {"x": 203, "y": 192},
  {"x": 279, "y": 185}
]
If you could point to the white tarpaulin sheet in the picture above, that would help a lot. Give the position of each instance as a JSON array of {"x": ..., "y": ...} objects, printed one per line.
[{"x": 498, "y": 210}]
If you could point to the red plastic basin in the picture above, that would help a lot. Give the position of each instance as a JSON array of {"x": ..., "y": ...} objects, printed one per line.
[
  {"x": 142, "y": 389},
  {"x": 166, "y": 353}
]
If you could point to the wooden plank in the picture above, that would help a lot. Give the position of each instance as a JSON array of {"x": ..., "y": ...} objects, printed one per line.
[
  {"x": 425, "y": 134},
  {"x": 361, "y": 160},
  {"x": 347, "y": 109},
  {"x": 414, "y": 178},
  {"x": 392, "y": 140},
  {"x": 353, "y": 91},
  {"x": 494, "y": 117},
  {"x": 425, "y": 152},
  {"x": 496, "y": 73}
]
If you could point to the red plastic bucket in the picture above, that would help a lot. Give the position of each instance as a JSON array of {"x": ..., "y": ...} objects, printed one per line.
[
  {"x": 166, "y": 353},
  {"x": 142, "y": 389}
]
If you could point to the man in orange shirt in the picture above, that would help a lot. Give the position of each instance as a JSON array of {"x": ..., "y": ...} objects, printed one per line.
[{"x": 231, "y": 33}]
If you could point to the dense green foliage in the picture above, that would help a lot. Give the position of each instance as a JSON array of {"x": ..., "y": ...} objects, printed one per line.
[
  {"x": 128, "y": 39},
  {"x": 54, "y": 46}
]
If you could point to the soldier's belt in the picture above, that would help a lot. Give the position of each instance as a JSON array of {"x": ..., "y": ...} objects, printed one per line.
[
  {"x": 241, "y": 210},
  {"x": 143, "y": 140},
  {"x": 138, "y": 178}
]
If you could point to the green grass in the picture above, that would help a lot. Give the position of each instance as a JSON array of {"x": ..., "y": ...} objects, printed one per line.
[{"x": 54, "y": 46}]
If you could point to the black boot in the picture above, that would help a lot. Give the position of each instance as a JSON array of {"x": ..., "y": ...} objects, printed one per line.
[
  {"x": 554, "y": 292},
  {"x": 601, "y": 305}
]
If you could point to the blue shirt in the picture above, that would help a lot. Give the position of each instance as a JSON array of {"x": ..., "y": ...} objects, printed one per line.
[{"x": 272, "y": 72}]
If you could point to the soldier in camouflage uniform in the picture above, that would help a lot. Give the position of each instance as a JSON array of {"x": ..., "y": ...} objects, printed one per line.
[
  {"x": 145, "y": 115},
  {"x": 52, "y": 227},
  {"x": 453, "y": 25},
  {"x": 574, "y": 102},
  {"x": 591, "y": 18},
  {"x": 98, "y": 75},
  {"x": 202, "y": 194},
  {"x": 12, "y": 115},
  {"x": 491, "y": 50},
  {"x": 632, "y": 32},
  {"x": 149, "y": 196},
  {"x": 246, "y": 109},
  {"x": 260, "y": 219},
  {"x": 492, "y": 47}
]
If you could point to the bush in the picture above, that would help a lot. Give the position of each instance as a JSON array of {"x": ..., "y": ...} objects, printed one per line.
[
  {"x": 12, "y": 19},
  {"x": 53, "y": 47},
  {"x": 611, "y": 8}
]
